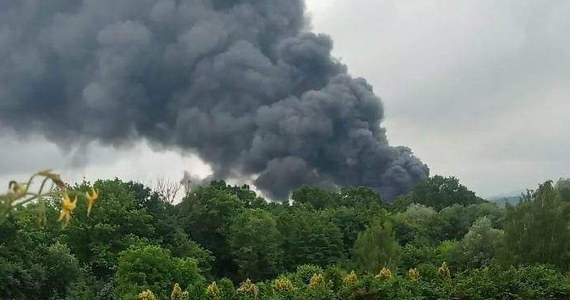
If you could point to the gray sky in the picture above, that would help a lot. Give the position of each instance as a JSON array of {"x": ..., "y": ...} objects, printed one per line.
[{"x": 477, "y": 89}]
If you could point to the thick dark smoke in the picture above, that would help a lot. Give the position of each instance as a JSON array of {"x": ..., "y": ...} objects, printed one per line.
[{"x": 241, "y": 83}]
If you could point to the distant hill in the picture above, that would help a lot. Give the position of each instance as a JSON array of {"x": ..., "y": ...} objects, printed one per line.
[{"x": 503, "y": 200}]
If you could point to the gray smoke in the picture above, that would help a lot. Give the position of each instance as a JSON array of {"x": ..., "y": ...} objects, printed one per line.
[{"x": 242, "y": 83}]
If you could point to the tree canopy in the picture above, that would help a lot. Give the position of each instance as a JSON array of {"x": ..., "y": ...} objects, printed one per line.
[{"x": 222, "y": 241}]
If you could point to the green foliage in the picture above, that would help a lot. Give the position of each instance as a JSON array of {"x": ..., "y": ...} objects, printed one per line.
[
  {"x": 151, "y": 267},
  {"x": 309, "y": 237},
  {"x": 494, "y": 282},
  {"x": 354, "y": 197},
  {"x": 413, "y": 256},
  {"x": 538, "y": 229},
  {"x": 314, "y": 197},
  {"x": 480, "y": 245},
  {"x": 255, "y": 244},
  {"x": 416, "y": 225},
  {"x": 563, "y": 188},
  {"x": 118, "y": 222},
  {"x": 227, "y": 289},
  {"x": 457, "y": 219},
  {"x": 351, "y": 221},
  {"x": 376, "y": 247},
  {"x": 206, "y": 214},
  {"x": 32, "y": 261},
  {"x": 180, "y": 245},
  {"x": 304, "y": 273},
  {"x": 360, "y": 197},
  {"x": 134, "y": 241},
  {"x": 439, "y": 192}
]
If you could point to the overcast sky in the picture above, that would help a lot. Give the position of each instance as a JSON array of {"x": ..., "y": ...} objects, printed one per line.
[{"x": 478, "y": 89}]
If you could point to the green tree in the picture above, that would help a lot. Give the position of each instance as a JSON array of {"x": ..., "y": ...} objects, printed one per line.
[
  {"x": 168, "y": 231},
  {"x": 351, "y": 221},
  {"x": 377, "y": 247},
  {"x": 61, "y": 269},
  {"x": 537, "y": 230},
  {"x": 457, "y": 219},
  {"x": 439, "y": 192},
  {"x": 117, "y": 221},
  {"x": 180, "y": 245},
  {"x": 480, "y": 245},
  {"x": 33, "y": 264},
  {"x": 315, "y": 197},
  {"x": 309, "y": 237},
  {"x": 417, "y": 225},
  {"x": 255, "y": 244},
  {"x": 205, "y": 215},
  {"x": 361, "y": 197},
  {"x": 563, "y": 188},
  {"x": 151, "y": 267}
]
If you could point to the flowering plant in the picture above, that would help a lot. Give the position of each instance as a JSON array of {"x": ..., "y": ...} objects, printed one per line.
[{"x": 51, "y": 186}]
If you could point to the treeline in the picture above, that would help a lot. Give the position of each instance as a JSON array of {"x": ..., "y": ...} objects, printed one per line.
[{"x": 440, "y": 241}]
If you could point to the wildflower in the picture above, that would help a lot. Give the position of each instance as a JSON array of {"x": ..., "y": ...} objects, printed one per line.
[
  {"x": 147, "y": 295},
  {"x": 67, "y": 208},
  {"x": 317, "y": 279},
  {"x": 18, "y": 190},
  {"x": 385, "y": 273},
  {"x": 283, "y": 284},
  {"x": 213, "y": 291},
  {"x": 443, "y": 271},
  {"x": 249, "y": 288},
  {"x": 177, "y": 293},
  {"x": 91, "y": 198},
  {"x": 414, "y": 274},
  {"x": 351, "y": 278}
]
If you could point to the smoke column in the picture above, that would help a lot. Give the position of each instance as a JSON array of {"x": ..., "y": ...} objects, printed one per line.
[{"x": 242, "y": 83}]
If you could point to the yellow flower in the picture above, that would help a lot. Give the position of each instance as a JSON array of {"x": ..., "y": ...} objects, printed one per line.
[
  {"x": 178, "y": 294},
  {"x": 316, "y": 280},
  {"x": 385, "y": 273},
  {"x": 213, "y": 290},
  {"x": 91, "y": 198},
  {"x": 414, "y": 274},
  {"x": 283, "y": 284},
  {"x": 147, "y": 295},
  {"x": 443, "y": 271},
  {"x": 248, "y": 287},
  {"x": 351, "y": 278},
  {"x": 67, "y": 208},
  {"x": 18, "y": 190}
]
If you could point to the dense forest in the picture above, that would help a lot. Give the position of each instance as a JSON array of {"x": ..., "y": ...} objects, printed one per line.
[{"x": 440, "y": 241}]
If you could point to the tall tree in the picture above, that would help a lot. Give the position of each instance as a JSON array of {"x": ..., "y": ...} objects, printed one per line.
[
  {"x": 377, "y": 247},
  {"x": 417, "y": 225},
  {"x": 480, "y": 245},
  {"x": 315, "y": 197},
  {"x": 205, "y": 214},
  {"x": 457, "y": 219},
  {"x": 309, "y": 237},
  {"x": 118, "y": 220},
  {"x": 151, "y": 267},
  {"x": 255, "y": 244},
  {"x": 538, "y": 229},
  {"x": 362, "y": 197},
  {"x": 563, "y": 188},
  {"x": 439, "y": 192}
]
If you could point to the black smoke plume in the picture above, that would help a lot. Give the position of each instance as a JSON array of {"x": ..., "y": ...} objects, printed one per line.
[{"x": 242, "y": 83}]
